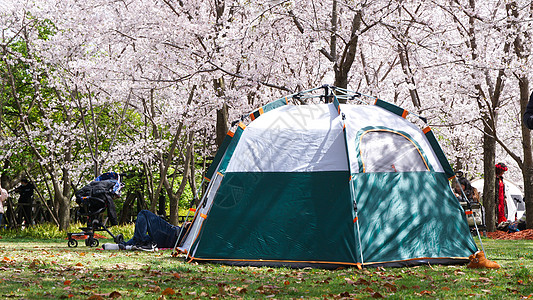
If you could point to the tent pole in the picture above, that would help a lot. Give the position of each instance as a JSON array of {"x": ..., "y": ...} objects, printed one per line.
[
  {"x": 188, "y": 213},
  {"x": 356, "y": 221},
  {"x": 352, "y": 192}
]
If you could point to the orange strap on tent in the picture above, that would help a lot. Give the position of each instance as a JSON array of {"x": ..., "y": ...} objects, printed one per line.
[
  {"x": 468, "y": 212},
  {"x": 192, "y": 209},
  {"x": 355, "y": 220},
  {"x": 260, "y": 111},
  {"x": 203, "y": 216}
]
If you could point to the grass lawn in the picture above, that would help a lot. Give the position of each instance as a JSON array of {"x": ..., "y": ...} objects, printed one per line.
[{"x": 48, "y": 269}]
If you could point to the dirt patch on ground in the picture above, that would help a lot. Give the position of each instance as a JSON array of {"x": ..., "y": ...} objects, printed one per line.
[{"x": 520, "y": 235}]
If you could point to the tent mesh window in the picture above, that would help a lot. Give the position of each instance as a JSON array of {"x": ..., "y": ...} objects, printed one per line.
[{"x": 389, "y": 151}]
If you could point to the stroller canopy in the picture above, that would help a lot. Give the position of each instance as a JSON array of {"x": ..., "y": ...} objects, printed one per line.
[{"x": 98, "y": 196}]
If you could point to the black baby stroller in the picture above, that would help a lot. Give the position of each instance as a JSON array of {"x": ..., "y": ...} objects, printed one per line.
[{"x": 93, "y": 200}]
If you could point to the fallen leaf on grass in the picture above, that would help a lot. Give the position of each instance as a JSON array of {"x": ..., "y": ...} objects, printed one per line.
[
  {"x": 34, "y": 264},
  {"x": 362, "y": 281},
  {"x": 344, "y": 295},
  {"x": 111, "y": 295},
  {"x": 390, "y": 287},
  {"x": 115, "y": 294},
  {"x": 168, "y": 291},
  {"x": 67, "y": 282},
  {"x": 484, "y": 279},
  {"x": 221, "y": 289},
  {"x": 349, "y": 281}
]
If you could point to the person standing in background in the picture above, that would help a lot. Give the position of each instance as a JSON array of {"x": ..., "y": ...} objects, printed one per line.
[
  {"x": 25, "y": 189},
  {"x": 501, "y": 207}
]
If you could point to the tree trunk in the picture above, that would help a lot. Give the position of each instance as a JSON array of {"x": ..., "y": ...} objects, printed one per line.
[
  {"x": 164, "y": 165},
  {"x": 527, "y": 168},
  {"x": 174, "y": 199},
  {"x": 222, "y": 114},
  {"x": 127, "y": 208},
  {"x": 409, "y": 79},
  {"x": 521, "y": 50},
  {"x": 489, "y": 192},
  {"x": 192, "y": 178},
  {"x": 344, "y": 63},
  {"x": 64, "y": 211}
]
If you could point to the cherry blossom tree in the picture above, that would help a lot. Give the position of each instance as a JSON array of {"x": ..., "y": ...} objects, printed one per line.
[{"x": 143, "y": 84}]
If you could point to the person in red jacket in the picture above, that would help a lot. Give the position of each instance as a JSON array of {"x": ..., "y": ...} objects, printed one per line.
[{"x": 501, "y": 207}]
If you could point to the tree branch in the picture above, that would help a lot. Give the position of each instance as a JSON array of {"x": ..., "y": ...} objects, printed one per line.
[{"x": 283, "y": 88}]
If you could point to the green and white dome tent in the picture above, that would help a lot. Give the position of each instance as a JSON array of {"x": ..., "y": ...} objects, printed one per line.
[{"x": 329, "y": 185}]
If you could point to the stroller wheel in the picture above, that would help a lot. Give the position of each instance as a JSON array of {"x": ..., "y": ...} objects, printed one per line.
[
  {"x": 72, "y": 243},
  {"x": 94, "y": 243},
  {"x": 119, "y": 238},
  {"x": 91, "y": 242}
]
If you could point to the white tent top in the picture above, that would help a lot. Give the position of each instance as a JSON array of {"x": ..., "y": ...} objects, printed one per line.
[{"x": 315, "y": 136}]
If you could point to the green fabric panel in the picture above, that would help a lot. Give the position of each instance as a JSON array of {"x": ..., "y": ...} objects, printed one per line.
[
  {"x": 229, "y": 151},
  {"x": 440, "y": 154},
  {"x": 336, "y": 104},
  {"x": 270, "y": 106},
  {"x": 410, "y": 215},
  {"x": 280, "y": 216},
  {"x": 218, "y": 157},
  {"x": 390, "y": 107}
]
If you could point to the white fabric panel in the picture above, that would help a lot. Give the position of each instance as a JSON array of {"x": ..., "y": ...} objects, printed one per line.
[
  {"x": 386, "y": 151},
  {"x": 194, "y": 230},
  {"x": 309, "y": 138},
  {"x": 360, "y": 116},
  {"x": 304, "y": 138}
]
